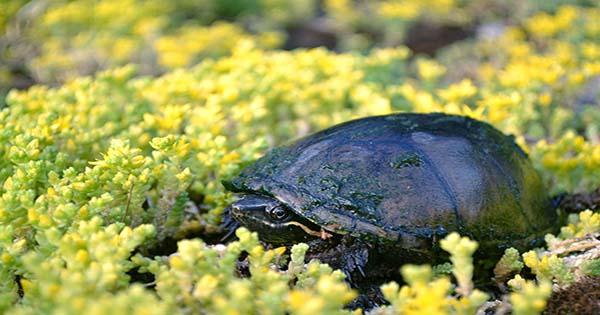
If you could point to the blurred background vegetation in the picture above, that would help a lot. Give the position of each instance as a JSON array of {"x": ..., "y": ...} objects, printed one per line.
[{"x": 51, "y": 41}]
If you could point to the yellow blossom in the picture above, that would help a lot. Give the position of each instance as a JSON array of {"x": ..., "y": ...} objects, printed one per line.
[
  {"x": 429, "y": 70},
  {"x": 458, "y": 91},
  {"x": 545, "y": 99}
]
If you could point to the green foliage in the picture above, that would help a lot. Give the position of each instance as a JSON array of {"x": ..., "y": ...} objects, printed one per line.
[
  {"x": 591, "y": 267},
  {"x": 424, "y": 294},
  {"x": 510, "y": 263},
  {"x": 121, "y": 150},
  {"x": 391, "y": 20},
  {"x": 528, "y": 297},
  {"x": 69, "y": 270},
  {"x": 570, "y": 255},
  {"x": 202, "y": 279},
  {"x": 59, "y": 40},
  {"x": 133, "y": 150},
  {"x": 581, "y": 224},
  {"x": 571, "y": 163},
  {"x": 548, "y": 267}
]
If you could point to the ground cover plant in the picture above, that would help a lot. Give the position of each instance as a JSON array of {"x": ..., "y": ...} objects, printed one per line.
[{"x": 111, "y": 195}]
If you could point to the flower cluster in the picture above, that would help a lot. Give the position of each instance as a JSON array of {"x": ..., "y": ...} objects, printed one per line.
[
  {"x": 191, "y": 44},
  {"x": 391, "y": 18},
  {"x": 428, "y": 293},
  {"x": 572, "y": 254},
  {"x": 570, "y": 163},
  {"x": 59, "y": 40},
  {"x": 424, "y": 294},
  {"x": 54, "y": 41},
  {"x": 68, "y": 271},
  {"x": 528, "y": 297},
  {"x": 202, "y": 279},
  {"x": 120, "y": 150},
  {"x": 569, "y": 259}
]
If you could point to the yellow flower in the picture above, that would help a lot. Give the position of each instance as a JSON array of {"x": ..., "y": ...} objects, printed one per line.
[
  {"x": 303, "y": 303},
  {"x": 531, "y": 259},
  {"x": 591, "y": 69},
  {"x": 6, "y": 258},
  {"x": 458, "y": 91},
  {"x": 429, "y": 70},
  {"x": 545, "y": 98},
  {"x": 421, "y": 296},
  {"x": 176, "y": 262},
  {"x": 404, "y": 10},
  {"x": 82, "y": 256},
  {"x": 530, "y": 298},
  {"x": 486, "y": 72},
  {"x": 45, "y": 221},
  {"x": 545, "y": 25},
  {"x": 205, "y": 287}
]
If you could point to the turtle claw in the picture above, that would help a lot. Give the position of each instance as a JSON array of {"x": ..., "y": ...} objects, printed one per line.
[
  {"x": 356, "y": 256},
  {"x": 361, "y": 271},
  {"x": 228, "y": 236},
  {"x": 229, "y": 226},
  {"x": 352, "y": 258},
  {"x": 348, "y": 277}
]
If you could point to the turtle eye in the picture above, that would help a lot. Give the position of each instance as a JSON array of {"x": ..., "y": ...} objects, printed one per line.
[{"x": 278, "y": 213}]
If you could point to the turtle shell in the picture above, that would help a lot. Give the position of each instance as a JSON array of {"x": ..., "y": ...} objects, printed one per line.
[{"x": 403, "y": 176}]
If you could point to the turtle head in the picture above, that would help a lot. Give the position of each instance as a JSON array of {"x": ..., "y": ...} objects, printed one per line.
[{"x": 274, "y": 221}]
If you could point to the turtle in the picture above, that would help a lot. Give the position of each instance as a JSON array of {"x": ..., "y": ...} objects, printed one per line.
[{"x": 371, "y": 194}]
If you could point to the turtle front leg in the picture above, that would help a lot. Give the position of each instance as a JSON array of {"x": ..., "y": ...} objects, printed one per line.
[
  {"x": 347, "y": 254},
  {"x": 228, "y": 226},
  {"x": 351, "y": 257}
]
